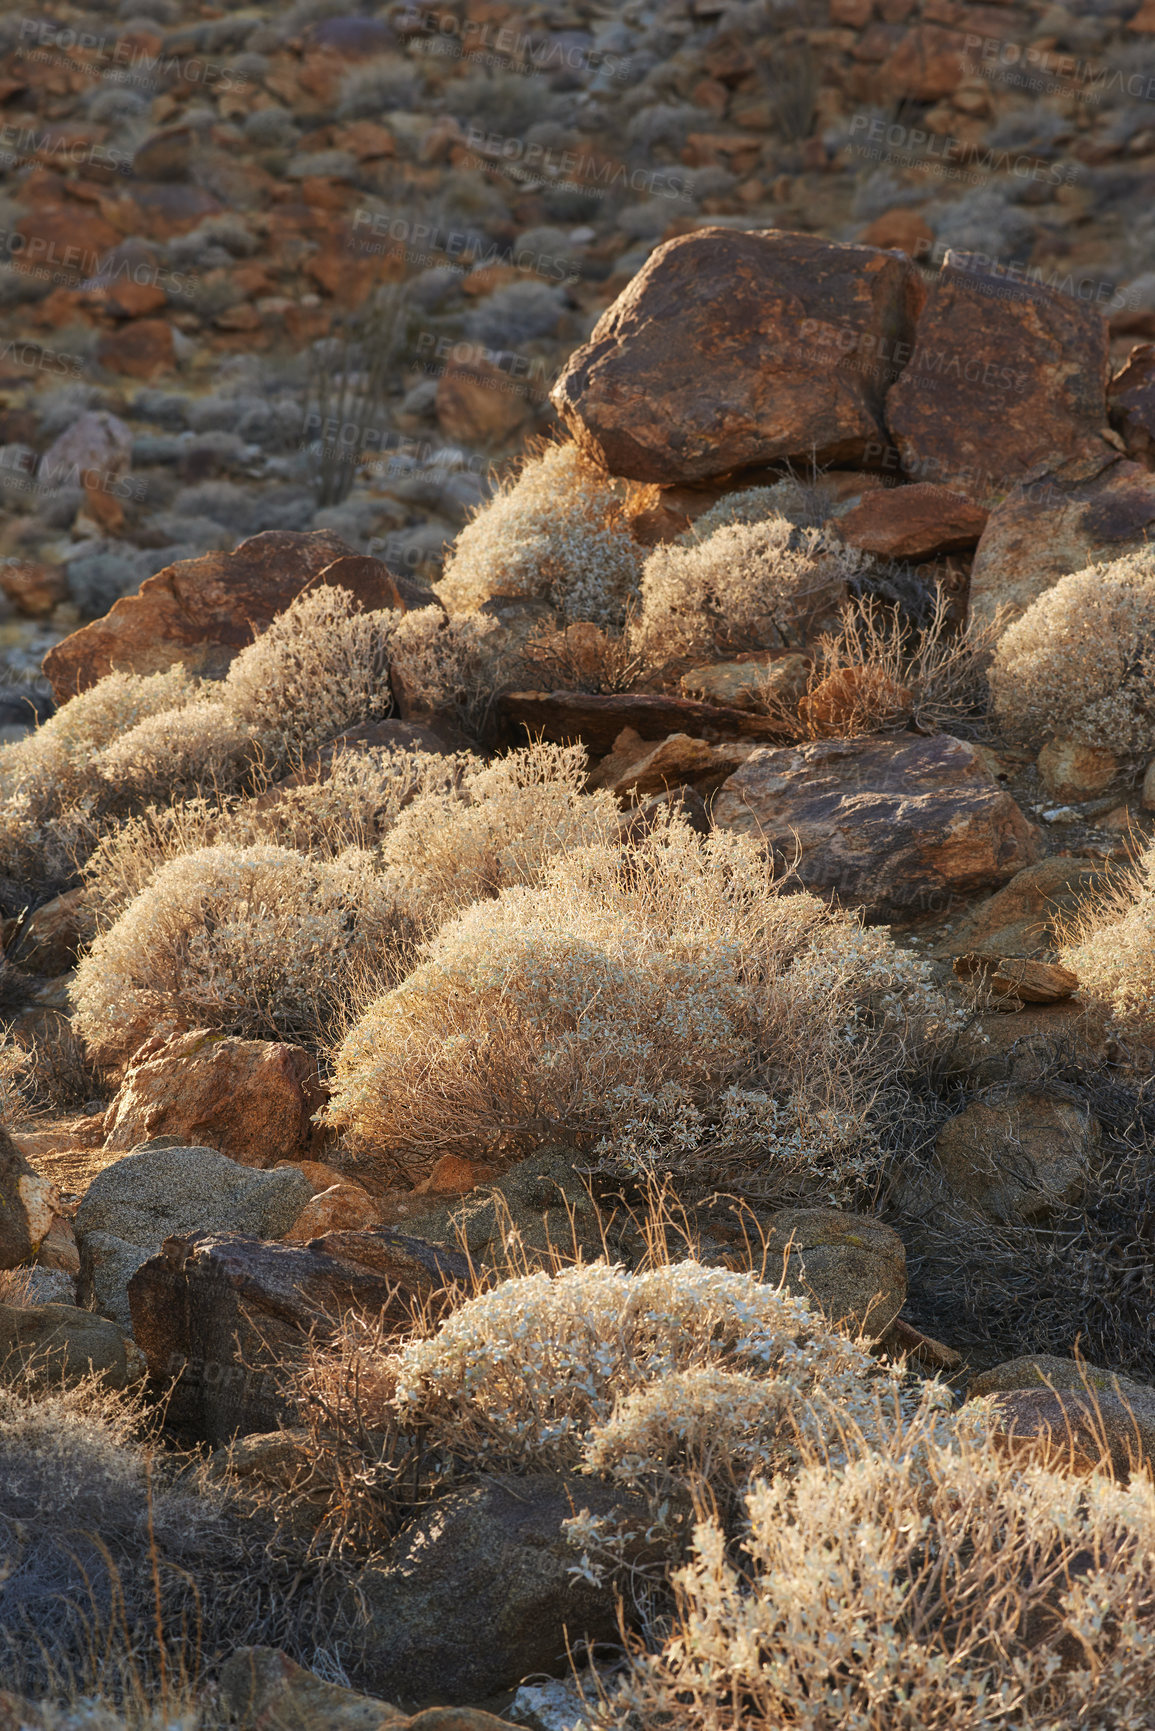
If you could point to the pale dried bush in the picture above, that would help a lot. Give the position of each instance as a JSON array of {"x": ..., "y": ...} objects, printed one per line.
[
  {"x": 1110, "y": 945},
  {"x": 758, "y": 585},
  {"x": 580, "y": 657},
  {"x": 1080, "y": 663},
  {"x": 879, "y": 671},
  {"x": 454, "y": 665},
  {"x": 354, "y": 806},
  {"x": 322, "y": 666},
  {"x": 178, "y": 752},
  {"x": 912, "y": 1592},
  {"x": 466, "y": 836},
  {"x": 597, "y": 1368},
  {"x": 257, "y": 941},
  {"x": 807, "y": 504},
  {"x": 666, "y": 998},
  {"x": 52, "y": 791},
  {"x": 558, "y": 533}
]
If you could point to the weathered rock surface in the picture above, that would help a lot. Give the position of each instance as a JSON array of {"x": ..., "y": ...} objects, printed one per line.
[
  {"x": 133, "y": 1205},
  {"x": 730, "y": 350},
  {"x": 888, "y": 825},
  {"x": 739, "y": 684},
  {"x": 1045, "y": 1370},
  {"x": 60, "y": 1343},
  {"x": 1072, "y": 771},
  {"x": 1018, "y": 1153},
  {"x": 1004, "y": 377},
  {"x": 598, "y": 719},
  {"x": 228, "y": 1315},
  {"x": 202, "y": 611},
  {"x": 1018, "y": 920},
  {"x": 262, "y": 1689},
  {"x": 477, "y": 1592},
  {"x": 917, "y": 522},
  {"x": 1018, "y": 978},
  {"x": 1131, "y": 401},
  {"x": 1053, "y": 525},
  {"x": 636, "y": 773},
  {"x": 1074, "y": 1430},
  {"x": 28, "y": 1205},
  {"x": 254, "y": 1100},
  {"x": 342, "y": 1207},
  {"x": 852, "y": 1267}
]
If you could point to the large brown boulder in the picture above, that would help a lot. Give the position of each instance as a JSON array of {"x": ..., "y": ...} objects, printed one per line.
[
  {"x": 229, "y": 1316},
  {"x": 1018, "y": 1153},
  {"x": 852, "y": 1267},
  {"x": 254, "y": 1100},
  {"x": 202, "y": 611},
  {"x": 1057, "y": 524},
  {"x": 890, "y": 825},
  {"x": 916, "y": 522},
  {"x": 1005, "y": 376},
  {"x": 59, "y": 1343},
  {"x": 732, "y": 350}
]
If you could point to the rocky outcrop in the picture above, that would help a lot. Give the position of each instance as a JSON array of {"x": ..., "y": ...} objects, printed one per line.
[
  {"x": 892, "y": 826},
  {"x": 202, "y": 611},
  {"x": 730, "y": 350},
  {"x": 851, "y": 1267},
  {"x": 1005, "y": 378},
  {"x": 1055, "y": 524},
  {"x": 254, "y": 1100},
  {"x": 597, "y": 719}
]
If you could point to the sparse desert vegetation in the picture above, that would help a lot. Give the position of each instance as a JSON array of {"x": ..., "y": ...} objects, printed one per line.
[{"x": 577, "y": 870}]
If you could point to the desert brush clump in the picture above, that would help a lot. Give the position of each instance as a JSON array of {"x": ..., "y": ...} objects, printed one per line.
[
  {"x": 1110, "y": 945},
  {"x": 352, "y": 804},
  {"x": 258, "y": 941},
  {"x": 612, "y": 1373},
  {"x": 558, "y": 533},
  {"x": 663, "y": 1001},
  {"x": 201, "y": 745},
  {"x": 759, "y": 585},
  {"x": 1080, "y": 663},
  {"x": 467, "y": 836},
  {"x": 806, "y": 503},
  {"x": 905, "y": 1591}
]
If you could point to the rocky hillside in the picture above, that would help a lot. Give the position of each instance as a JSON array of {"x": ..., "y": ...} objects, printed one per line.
[{"x": 577, "y": 874}]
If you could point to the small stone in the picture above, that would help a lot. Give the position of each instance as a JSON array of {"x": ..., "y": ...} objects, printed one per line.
[
  {"x": 33, "y": 589},
  {"x": 1147, "y": 796},
  {"x": 1072, "y": 772},
  {"x": 852, "y": 1267},
  {"x": 749, "y": 683},
  {"x": 1019, "y": 978}
]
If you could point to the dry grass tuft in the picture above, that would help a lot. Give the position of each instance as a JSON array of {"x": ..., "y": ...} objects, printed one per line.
[{"x": 1110, "y": 945}]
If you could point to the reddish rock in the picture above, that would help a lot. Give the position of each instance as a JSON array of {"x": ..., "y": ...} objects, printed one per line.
[
  {"x": 1070, "y": 770},
  {"x": 1019, "y": 920},
  {"x": 927, "y": 64},
  {"x": 63, "y": 238},
  {"x": 597, "y": 720},
  {"x": 1053, "y": 525},
  {"x": 479, "y": 404},
  {"x": 141, "y": 349},
  {"x": 916, "y": 522},
  {"x": 253, "y": 1100},
  {"x": 730, "y": 350},
  {"x": 1005, "y": 377},
  {"x": 202, "y": 611},
  {"x": 892, "y": 826},
  {"x": 1077, "y": 1429},
  {"x": 124, "y": 298},
  {"x": 33, "y": 589},
  {"x": 1018, "y": 979},
  {"x": 1131, "y": 400},
  {"x": 230, "y": 1316},
  {"x": 343, "y": 1207}
]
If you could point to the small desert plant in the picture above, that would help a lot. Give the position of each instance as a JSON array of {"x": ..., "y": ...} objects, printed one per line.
[
  {"x": 666, "y": 998},
  {"x": 912, "y": 1592},
  {"x": 259, "y": 941},
  {"x": 1080, "y": 663},
  {"x": 1110, "y": 945},
  {"x": 493, "y": 826},
  {"x": 180, "y": 751},
  {"x": 350, "y": 377},
  {"x": 877, "y": 671},
  {"x": 805, "y": 503},
  {"x": 558, "y": 533},
  {"x": 353, "y": 805},
  {"x": 580, "y": 657},
  {"x": 320, "y": 667},
  {"x": 455, "y": 666},
  {"x": 758, "y": 585}
]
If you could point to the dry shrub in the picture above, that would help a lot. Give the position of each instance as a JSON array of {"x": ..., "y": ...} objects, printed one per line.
[
  {"x": 259, "y": 941},
  {"x": 354, "y": 806},
  {"x": 759, "y": 585},
  {"x": 580, "y": 657},
  {"x": 910, "y": 1592},
  {"x": 60, "y": 1076},
  {"x": 453, "y": 665},
  {"x": 806, "y": 503},
  {"x": 1110, "y": 945},
  {"x": 879, "y": 671},
  {"x": 558, "y": 533},
  {"x": 488, "y": 827},
  {"x": 322, "y": 666},
  {"x": 666, "y": 998},
  {"x": 178, "y": 752},
  {"x": 1080, "y": 663}
]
